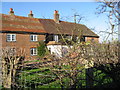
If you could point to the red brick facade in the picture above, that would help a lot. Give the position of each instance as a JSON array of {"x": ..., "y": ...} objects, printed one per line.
[
  {"x": 22, "y": 41},
  {"x": 92, "y": 39}
]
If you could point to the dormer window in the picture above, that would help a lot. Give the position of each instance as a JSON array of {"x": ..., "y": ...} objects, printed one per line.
[
  {"x": 33, "y": 38},
  {"x": 11, "y": 37}
]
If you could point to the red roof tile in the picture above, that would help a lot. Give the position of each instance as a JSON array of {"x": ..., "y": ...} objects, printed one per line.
[
  {"x": 66, "y": 28},
  {"x": 19, "y": 23},
  {"x": 27, "y": 24}
]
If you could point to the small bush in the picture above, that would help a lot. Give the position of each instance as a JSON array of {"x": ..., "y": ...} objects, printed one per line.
[{"x": 42, "y": 50}]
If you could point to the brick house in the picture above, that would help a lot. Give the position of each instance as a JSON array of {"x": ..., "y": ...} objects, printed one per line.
[{"x": 26, "y": 32}]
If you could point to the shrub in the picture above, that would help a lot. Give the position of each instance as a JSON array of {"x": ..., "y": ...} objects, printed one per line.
[{"x": 41, "y": 49}]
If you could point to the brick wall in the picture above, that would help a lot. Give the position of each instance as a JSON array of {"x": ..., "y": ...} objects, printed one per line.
[
  {"x": 22, "y": 41},
  {"x": 92, "y": 39}
]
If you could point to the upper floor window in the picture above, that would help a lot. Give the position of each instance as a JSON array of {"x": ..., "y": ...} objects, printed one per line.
[
  {"x": 82, "y": 39},
  {"x": 55, "y": 38},
  {"x": 69, "y": 38},
  {"x": 92, "y": 39},
  {"x": 33, "y": 38},
  {"x": 11, "y": 37}
]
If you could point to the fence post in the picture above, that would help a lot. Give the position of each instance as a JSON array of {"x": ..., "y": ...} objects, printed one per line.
[{"x": 89, "y": 78}]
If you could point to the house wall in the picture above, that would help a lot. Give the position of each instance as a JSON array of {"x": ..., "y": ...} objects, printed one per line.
[
  {"x": 90, "y": 39},
  {"x": 55, "y": 49},
  {"x": 23, "y": 42},
  {"x": 58, "y": 50}
]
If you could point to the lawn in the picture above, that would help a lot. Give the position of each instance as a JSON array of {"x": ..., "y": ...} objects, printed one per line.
[{"x": 45, "y": 77}]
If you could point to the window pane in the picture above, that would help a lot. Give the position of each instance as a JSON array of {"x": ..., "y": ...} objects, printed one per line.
[
  {"x": 36, "y": 37},
  {"x": 13, "y": 37},
  {"x": 31, "y": 37},
  {"x": 35, "y": 51},
  {"x": 8, "y": 37},
  {"x": 31, "y": 51}
]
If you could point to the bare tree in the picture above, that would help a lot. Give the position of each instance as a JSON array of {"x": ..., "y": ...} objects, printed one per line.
[
  {"x": 112, "y": 8},
  {"x": 11, "y": 62},
  {"x": 112, "y": 5}
]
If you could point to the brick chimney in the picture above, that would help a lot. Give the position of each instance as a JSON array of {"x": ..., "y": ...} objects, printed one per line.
[
  {"x": 56, "y": 16},
  {"x": 11, "y": 11},
  {"x": 30, "y": 15}
]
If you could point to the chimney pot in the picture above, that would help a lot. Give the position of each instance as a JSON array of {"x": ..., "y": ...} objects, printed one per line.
[
  {"x": 56, "y": 16},
  {"x": 31, "y": 14},
  {"x": 11, "y": 11},
  {"x": 55, "y": 12}
]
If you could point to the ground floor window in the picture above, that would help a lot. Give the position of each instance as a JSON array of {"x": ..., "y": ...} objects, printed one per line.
[{"x": 33, "y": 51}]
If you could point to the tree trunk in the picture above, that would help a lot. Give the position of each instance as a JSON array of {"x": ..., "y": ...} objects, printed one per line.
[{"x": 6, "y": 74}]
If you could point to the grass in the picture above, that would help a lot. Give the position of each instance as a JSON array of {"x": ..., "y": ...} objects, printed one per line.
[
  {"x": 1, "y": 87},
  {"x": 32, "y": 61},
  {"x": 44, "y": 76}
]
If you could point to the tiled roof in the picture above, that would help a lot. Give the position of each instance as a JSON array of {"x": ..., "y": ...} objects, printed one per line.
[
  {"x": 66, "y": 28},
  {"x": 27, "y": 24},
  {"x": 19, "y": 23}
]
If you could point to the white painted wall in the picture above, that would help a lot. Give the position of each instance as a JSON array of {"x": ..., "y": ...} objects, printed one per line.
[{"x": 58, "y": 50}]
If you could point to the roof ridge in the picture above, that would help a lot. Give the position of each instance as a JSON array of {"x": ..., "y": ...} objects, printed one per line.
[
  {"x": 19, "y": 16},
  {"x": 41, "y": 19},
  {"x": 62, "y": 21}
]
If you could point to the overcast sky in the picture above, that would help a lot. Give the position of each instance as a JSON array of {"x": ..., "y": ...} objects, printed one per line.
[{"x": 66, "y": 11}]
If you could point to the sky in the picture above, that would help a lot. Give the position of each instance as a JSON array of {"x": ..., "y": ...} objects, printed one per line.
[
  {"x": 48, "y": 0},
  {"x": 66, "y": 11}
]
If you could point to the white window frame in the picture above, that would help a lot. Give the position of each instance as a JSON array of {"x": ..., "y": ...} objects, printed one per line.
[
  {"x": 33, "y": 51},
  {"x": 56, "y": 38},
  {"x": 11, "y": 37},
  {"x": 33, "y": 38}
]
